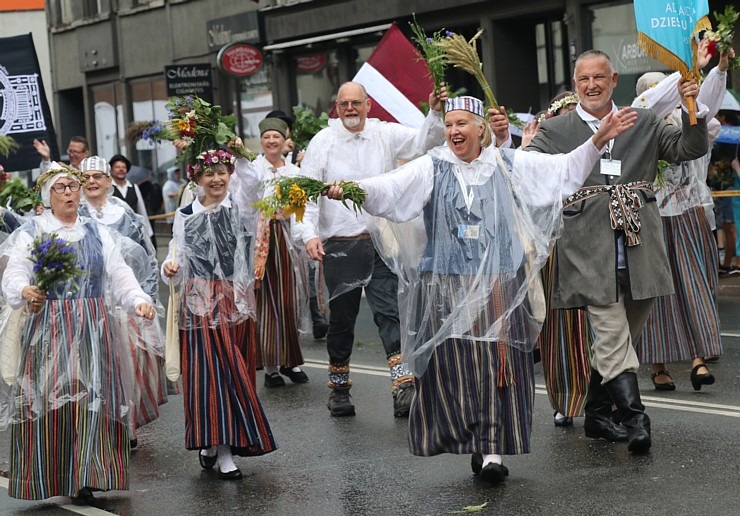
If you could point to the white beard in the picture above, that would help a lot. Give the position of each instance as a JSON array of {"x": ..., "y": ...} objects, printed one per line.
[{"x": 351, "y": 123}]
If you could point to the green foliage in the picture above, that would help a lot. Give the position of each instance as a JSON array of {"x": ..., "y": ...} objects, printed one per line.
[
  {"x": 306, "y": 125},
  {"x": 8, "y": 145},
  {"x": 18, "y": 196},
  {"x": 430, "y": 51}
]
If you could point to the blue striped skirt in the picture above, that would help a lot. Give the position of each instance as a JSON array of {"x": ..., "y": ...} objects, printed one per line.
[
  {"x": 685, "y": 325},
  {"x": 474, "y": 397}
]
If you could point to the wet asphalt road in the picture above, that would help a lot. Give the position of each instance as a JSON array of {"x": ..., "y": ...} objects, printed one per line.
[{"x": 361, "y": 465}]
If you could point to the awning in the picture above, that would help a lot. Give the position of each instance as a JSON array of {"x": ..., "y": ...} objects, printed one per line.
[{"x": 326, "y": 37}]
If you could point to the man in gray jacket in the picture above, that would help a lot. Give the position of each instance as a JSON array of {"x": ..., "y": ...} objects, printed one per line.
[{"x": 611, "y": 257}]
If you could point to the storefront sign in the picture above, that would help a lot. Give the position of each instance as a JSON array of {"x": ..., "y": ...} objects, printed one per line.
[
  {"x": 240, "y": 60},
  {"x": 192, "y": 79},
  {"x": 311, "y": 64},
  {"x": 242, "y": 27}
]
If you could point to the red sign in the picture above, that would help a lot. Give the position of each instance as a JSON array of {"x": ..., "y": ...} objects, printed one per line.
[
  {"x": 311, "y": 64},
  {"x": 240, "y": 59}
]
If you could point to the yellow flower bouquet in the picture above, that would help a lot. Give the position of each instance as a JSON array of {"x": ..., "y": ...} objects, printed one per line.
[{"x": 293, "y": 193}]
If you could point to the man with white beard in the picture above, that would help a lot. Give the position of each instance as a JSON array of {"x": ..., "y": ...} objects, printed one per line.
[{"x": 357, "y": 147}]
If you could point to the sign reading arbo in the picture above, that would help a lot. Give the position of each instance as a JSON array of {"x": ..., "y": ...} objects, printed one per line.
[{"x": 240, "y": 60}]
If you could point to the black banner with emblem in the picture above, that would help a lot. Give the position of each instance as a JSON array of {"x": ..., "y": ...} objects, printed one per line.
[{"x": 24, "y": 111}]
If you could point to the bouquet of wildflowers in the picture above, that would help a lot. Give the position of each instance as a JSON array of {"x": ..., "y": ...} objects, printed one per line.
[
  {"x": 203, "y": 126},
  {"x": 54, "y": 262},
  {"x": 153, "y": 131},
  {"x": 293, "y": 193},
  {"x": 431, "y": 52},
  {"x": 721, "y": 39}
]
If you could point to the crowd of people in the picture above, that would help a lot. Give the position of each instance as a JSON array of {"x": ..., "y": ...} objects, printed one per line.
[{"x": 471, "y": 254}]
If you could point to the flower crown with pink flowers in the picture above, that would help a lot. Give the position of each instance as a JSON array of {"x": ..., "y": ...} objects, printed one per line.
[{"x": 206, "y": 160}]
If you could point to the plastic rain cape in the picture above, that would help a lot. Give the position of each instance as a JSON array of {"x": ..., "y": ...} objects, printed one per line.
[
  {"x": 69, "y": 352},
  {"x": 484, "y": 289},
  {"x": 214, "y": 250}
]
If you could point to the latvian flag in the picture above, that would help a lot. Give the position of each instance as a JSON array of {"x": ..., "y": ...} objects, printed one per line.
[{"x": 396, "y": 79}]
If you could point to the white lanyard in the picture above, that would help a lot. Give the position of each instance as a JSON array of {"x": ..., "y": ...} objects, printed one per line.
[
  {"x": 467, "y": 192},
  {"x": 609, "y": 144}
]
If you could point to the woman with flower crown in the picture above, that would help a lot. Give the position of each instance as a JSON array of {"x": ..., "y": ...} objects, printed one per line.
[
  {"x": 69, "y": 410},
  {"x": 146, "y": 342},
  {"x": 210, "y": 262}
]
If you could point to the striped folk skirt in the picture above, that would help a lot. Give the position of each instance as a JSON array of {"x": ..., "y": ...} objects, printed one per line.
[
  {"x": 685, "y": 325},
  {"x": 218, "y": 376},
  {"x": 149, "y": 387},
  {"x": 277, "y": 305},
  {"x": 474, "y": 397},
  {"x": 71, "y": 430},
  {"x": 565, "y": 348}
]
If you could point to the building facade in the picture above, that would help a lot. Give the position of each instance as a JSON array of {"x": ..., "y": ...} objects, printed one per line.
[{"x": 109, "y": 57}]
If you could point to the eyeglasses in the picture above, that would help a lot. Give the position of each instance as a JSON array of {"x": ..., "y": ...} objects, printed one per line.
[
  {"x": 72, "y": 151},
  {"x": 355, "y": 104},
  {"x": 96, "y": 177},
  {"x": 60, "y": 188}
]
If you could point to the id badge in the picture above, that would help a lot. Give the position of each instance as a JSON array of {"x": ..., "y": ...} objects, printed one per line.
[
  {"x": 611, "y": 167},
  {"x": 468, "y": 231}
]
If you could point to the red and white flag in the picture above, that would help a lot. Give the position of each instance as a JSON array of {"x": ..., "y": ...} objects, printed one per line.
[{"x": 396, "y": 79}]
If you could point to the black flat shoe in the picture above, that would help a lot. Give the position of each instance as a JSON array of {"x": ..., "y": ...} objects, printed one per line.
[
  {"x": 563, "y": 421},
  {"x": 476, "y": 463},
  {"x": 231, "y": 475},
  {"x": 83, "y": 497},
  {"x": 133, "y": 443},
  {"x": 207, "y": 462},
  {"x": 295, "y": 376},
  {"x": 697, "y": 380},
  {"x": 274, "y": 380},
  {"x": 669, "y": 386},
  {"x": 494, "y": 473}
]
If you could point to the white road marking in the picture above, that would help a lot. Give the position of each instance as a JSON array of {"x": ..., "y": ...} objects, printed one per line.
[{"x": 649, "y": 401}]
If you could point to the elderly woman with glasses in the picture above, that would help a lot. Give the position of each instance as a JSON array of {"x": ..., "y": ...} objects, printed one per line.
[
  {"x": 68, "y": 410},
  {"x": 482, "y": 223},
  {"x": 145, "y": 341}
]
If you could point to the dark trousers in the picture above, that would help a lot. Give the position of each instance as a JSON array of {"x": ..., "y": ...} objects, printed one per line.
[{"x": 347, "y": 265}]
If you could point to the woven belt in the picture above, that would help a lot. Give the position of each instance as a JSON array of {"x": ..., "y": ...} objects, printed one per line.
[
  {"x": 624, "y": 205},
  {"x": 361, "y": 236}
]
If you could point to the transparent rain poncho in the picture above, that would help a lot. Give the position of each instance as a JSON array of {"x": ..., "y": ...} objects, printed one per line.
[
  {"x": 213, "y": 246},
  {"x": 256, "y": 180},
  {"x": 145, "y": 340},
  {"x": 685, "y": 185},
  {"x": 67, "y": 356},
  {"x": 467, "y": 242}
]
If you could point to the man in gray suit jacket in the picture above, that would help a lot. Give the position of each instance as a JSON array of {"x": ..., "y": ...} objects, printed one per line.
[{"x": 611, "y": 257}]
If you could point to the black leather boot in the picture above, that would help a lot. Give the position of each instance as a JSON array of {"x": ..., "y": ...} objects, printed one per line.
[
  {"x": 320, "y": 326},
  {"x": 626, "y": 395},
  {"x": 598, "y": 422}
]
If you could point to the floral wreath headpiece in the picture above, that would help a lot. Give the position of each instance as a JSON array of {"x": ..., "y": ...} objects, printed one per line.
[
  {"x": 59, "y": 168},
  {"x": 205, "y": 161},
  {"x": 559, "y": 104}
]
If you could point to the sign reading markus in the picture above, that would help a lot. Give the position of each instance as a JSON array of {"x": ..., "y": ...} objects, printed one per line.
[{"x": 191, "y": 79}]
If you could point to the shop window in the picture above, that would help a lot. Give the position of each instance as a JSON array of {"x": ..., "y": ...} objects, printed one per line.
[
  {"x": 255, "y": 101},
  {"x": 553, "y": 68},
  {"x": 148, "y": 99},
  {"x": 317, "y": 80},
  {"x": 614, "y": 31}
]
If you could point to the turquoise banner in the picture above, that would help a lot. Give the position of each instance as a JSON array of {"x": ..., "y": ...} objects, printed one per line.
[{"x": 668, "y": 27}]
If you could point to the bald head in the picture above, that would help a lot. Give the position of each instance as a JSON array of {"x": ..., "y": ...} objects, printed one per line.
[{"x": 353, "y": 105}]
